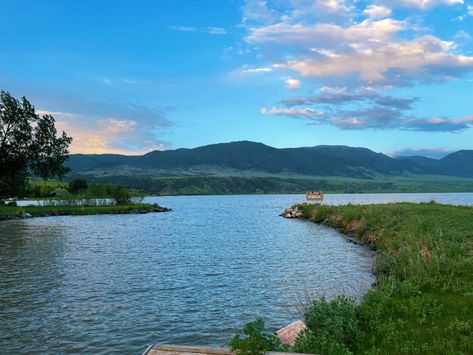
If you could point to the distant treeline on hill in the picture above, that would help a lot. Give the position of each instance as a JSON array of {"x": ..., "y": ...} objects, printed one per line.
[{"x": 222, "y": 185}]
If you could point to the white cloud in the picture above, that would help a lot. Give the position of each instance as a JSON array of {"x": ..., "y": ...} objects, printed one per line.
[
  {"x": 462, "y": 36},
  {"x": 357, "y": 61},
  {"x": 421, "y": 4},
  {"x": 377, "y": 11},
  {"x": 325, "y": 35},
  {"x": 257, "y": 11},
  {"x": 184, "y": 28},
  {"x": 370, "y": 49},
  {"x": 417, "y": 59},
  {"x": 216, "y": 30},
  {"x": 331, "y": 10},
  {"x": 252, "y": 70},
  {"x": 209, "y": 30},
  {"x": 292, "y": 112},
  {"x": 293, "y": 84}
]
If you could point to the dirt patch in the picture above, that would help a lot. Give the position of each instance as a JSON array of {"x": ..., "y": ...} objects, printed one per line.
[
  {"x": 426, "y": 253},
  {"x": 357, "y": 227}
]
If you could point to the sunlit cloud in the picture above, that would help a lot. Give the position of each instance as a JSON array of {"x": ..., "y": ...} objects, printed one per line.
[
  {"x": 96, "y": 134},
  {"x": 365, "y": 54},
  {"x": 421, "y": 4},
  {"x": 252, "y": 70},
  {"x": 328, "y": 10},
  {"x": 377, "y": 11},
  {"x": 293, "y": 84},
  {"x": 369, "y": 49},
  {"x": 258, "y": 75}
]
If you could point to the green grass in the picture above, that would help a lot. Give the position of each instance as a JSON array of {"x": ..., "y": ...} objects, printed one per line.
[
  {"x": 9, "y": 212},
  {"x": 423, "y": 302}
]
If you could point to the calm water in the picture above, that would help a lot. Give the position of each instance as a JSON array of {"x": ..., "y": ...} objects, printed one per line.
[{"x": 108, "y": 284}]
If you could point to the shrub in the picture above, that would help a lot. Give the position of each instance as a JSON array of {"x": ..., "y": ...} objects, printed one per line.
[
  {"x": 8, "y": 203},
  {"x": 256, "y": 340},
  {"x": 121, "y": 196},
  {"x": 77, "y": 186},
  {"x": 332, "y": 328}
]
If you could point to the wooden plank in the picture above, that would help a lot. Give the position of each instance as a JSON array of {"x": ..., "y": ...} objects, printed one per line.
[{"x": 163, "y": 349}]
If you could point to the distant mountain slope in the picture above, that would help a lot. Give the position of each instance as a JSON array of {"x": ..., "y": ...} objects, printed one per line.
[
  {"x": 458, "y": 164},
  {"x": 254, "y": 159}
]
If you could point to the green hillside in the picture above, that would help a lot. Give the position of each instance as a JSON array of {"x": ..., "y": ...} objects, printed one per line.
[{"x": 249, "y": 167}]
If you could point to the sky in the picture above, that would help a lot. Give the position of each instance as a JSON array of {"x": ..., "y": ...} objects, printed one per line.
[{"x": 128, "y": 77}]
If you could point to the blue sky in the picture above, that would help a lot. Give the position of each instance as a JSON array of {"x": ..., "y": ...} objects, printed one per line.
[{"x": 395, "y": 76}]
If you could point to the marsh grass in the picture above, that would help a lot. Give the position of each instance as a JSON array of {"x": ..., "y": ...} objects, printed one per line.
[{"x": 423, "y": 302}]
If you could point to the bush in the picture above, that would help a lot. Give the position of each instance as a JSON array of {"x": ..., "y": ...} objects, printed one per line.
[
  {"x": 77, "y": 186},
  {"x": 8, "y": 203},
  {"x": 256, "y": 340},
  {"x": 121, "y": 196},
  {"x": 332, "y": 328}
]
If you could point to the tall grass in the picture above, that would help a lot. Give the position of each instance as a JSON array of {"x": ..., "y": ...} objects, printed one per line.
[
  {"x": 423, "y": 303},
  {"x": 423, "y": 300}
]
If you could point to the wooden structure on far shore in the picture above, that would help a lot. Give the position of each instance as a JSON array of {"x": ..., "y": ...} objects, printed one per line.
[{"x": 314, "y": 196}]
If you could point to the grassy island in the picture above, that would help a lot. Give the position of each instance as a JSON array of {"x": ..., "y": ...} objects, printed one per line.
[
  {"x": 8, "y": 212},
  {"x": 57, "y": 198},
  {"x": 423, "y": 300}
]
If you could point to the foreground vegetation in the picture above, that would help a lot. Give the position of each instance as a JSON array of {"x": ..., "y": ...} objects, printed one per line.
[{"x": 423, "y": 302}]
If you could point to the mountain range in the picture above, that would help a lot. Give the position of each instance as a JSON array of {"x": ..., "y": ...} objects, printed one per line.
[{"x": 246, "y": 158}]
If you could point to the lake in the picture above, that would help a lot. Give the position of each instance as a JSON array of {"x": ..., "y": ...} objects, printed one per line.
[{"x": 118, "y": 283}]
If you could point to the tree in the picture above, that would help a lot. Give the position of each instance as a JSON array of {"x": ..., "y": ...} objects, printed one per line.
[
  {"x": 77, "y": 185},
  {"x": 29, "y": 145},
  {"x": 121, "y": 196}
]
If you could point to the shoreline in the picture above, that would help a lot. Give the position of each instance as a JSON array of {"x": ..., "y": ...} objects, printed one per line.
[
  {"x": 24, "y": 212},
  {"x": 422, "y": 301}
]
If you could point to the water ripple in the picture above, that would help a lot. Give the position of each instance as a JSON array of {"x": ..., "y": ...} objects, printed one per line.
[{"x": 101, "y": 284}]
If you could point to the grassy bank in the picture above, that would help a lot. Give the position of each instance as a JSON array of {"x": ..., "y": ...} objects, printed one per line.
[
  {"x": 36, "y": 211},
  {"x": 423, "y": 302}
]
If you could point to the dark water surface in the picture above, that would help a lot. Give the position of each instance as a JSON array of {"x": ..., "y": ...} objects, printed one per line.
[{"x": 117, "y": 283}]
